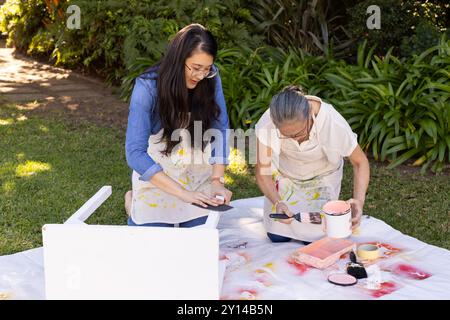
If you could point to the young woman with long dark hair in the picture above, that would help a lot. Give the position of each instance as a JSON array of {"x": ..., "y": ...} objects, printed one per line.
[{"x": 171, "y": 168}]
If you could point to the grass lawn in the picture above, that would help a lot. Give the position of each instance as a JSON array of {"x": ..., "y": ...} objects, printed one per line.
[{"x": 50, "y": 167}]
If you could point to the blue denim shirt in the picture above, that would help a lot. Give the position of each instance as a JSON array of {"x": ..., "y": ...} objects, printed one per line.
[{"x": 143, "y": 121}]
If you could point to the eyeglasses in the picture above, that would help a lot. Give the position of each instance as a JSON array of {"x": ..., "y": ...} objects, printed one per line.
[
  {"x": 302, "y": 133},
  {"x": 205, "y": 73}
]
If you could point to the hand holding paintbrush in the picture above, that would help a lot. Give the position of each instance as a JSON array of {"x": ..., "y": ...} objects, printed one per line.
[
  {"x": 307, "y": 217},
  {"x": 283, "y": 209}
]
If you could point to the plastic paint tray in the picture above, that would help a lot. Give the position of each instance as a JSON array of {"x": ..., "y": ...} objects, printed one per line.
[{"x": 324, "y": 252}]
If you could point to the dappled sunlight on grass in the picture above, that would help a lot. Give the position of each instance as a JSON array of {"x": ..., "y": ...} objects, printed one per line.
[
  {"x": 30, "y": 168},
  {"x": 239, "y": 177},
  {"x": 8, "y": 186},
  {"x": 6, "y": 122},
  {"x": 21, "y": 118},
  {"x": 20, "y": 156},
  {"x": 28, "y": 106},
  {"x": 237, "y": 163}
]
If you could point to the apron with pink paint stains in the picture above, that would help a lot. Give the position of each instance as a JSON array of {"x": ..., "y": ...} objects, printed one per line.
[
  {"x": 302, "y": 195},
  {"x": 150, "y": 204}
]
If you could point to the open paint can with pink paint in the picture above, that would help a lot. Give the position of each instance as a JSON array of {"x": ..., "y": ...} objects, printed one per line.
[{"x": 338, "y": 219}]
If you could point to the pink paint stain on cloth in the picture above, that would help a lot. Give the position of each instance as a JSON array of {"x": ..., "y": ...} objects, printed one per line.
[
  {"x": 386, "y": 288},
  {"x": 247, "y": 294},
  {"x": 410, "y": 272},
  {"x": 300, "y": 267},
  {"x": 241, "y": 294},
  {"x": 264, "y": 281}
]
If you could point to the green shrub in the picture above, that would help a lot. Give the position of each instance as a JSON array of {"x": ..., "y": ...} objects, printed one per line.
[
  {"x": 399, "y": 108},
  {"x": 41, "y": 44},
  {"x": 425, "y": 36},
  {"x": 400, "y": 20},
  {"x": 313, "y": 26},
  {"x": 8, "y": 11},
  {"x": 397, "y": 21},
  {"x": 114, "y": 34},
  {"x": 22, "y": 20}
]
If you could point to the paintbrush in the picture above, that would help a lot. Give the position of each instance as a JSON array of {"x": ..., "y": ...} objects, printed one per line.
[{"x": 307, "y": 217}]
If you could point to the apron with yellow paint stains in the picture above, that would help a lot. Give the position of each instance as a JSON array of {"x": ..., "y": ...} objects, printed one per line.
[
  {"x": 187, "y": 166},
  {"x": 302, "y": 195}
]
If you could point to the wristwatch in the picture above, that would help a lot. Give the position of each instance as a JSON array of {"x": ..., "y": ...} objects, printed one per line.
[{"x": 220, "y": 179}]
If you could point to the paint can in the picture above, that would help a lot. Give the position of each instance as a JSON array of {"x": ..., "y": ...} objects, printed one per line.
[{"x": 338, "y": 219}]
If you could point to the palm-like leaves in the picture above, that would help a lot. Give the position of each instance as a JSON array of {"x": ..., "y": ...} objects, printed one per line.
[{"x": 400, "y": 109}]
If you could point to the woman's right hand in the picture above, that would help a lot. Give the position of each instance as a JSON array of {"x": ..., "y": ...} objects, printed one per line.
[
  {"x": 282, "y": 207},
  {"x": 199, "y": 198}
]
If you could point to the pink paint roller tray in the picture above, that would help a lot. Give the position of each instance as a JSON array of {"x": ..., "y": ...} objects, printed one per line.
[{"x": 323, "y": 253}]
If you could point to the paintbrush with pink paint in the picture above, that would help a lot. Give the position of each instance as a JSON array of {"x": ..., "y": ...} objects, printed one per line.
[{"x": 307, "y": 217}]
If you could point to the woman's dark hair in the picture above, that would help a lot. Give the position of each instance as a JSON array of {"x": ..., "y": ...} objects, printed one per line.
[{"x": 173, "y": 100}]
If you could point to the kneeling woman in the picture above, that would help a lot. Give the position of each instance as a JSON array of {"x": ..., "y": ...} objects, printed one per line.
[
  {"x": 183, "y": 91},
  {"x": 302, "y": 142}
]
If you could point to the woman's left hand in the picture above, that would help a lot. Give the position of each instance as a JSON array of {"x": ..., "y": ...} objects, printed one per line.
[
  {"x": 357, "y": 207},
  {"x": 218, "y": 189}
]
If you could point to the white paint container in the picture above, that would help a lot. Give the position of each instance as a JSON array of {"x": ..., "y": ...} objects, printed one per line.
[{"x": 338, "y": 219}]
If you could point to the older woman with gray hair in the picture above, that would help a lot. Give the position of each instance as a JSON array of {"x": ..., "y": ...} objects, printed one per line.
[{"x": 302, "y": 143}]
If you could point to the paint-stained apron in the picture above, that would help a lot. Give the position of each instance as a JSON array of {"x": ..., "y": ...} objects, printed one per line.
[
  {"x": 302, "y": 195},
  {"x": 150, "y": 204}
]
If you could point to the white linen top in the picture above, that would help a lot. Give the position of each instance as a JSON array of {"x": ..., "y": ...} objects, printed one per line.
[{"x": 330, "y": 139}]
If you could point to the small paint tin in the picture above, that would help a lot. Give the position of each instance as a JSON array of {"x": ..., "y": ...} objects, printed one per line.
[
  {"x": 342, "y": 279},
  {"x": 368, "y": 252}
]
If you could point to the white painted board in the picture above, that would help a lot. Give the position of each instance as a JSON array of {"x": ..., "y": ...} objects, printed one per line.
[{"x": 121, "y": 262}]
